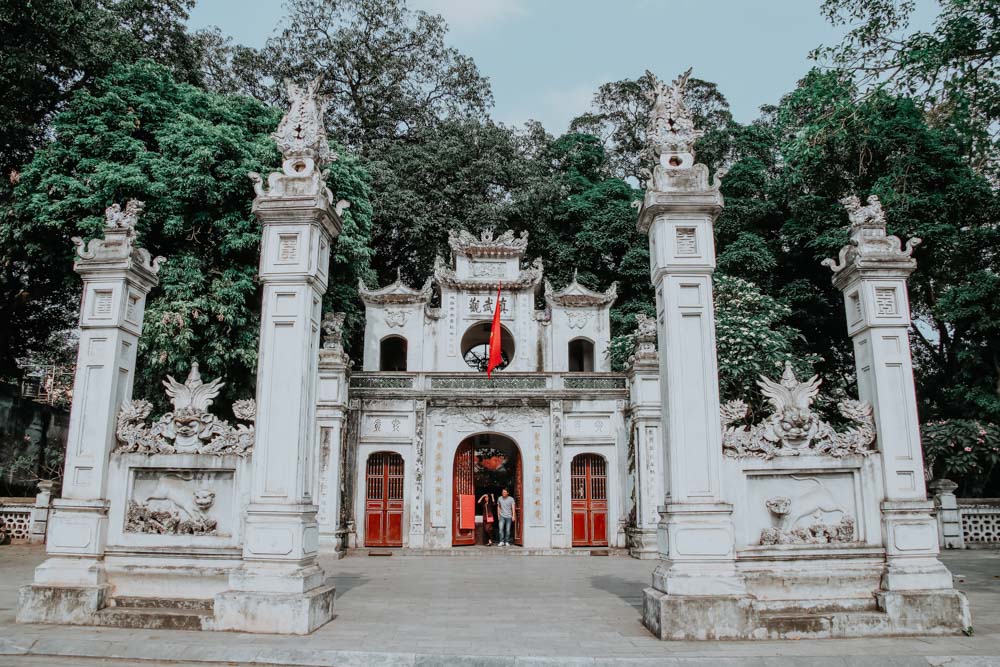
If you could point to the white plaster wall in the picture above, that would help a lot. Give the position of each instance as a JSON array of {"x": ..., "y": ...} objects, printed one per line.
[
  {"x": 406, "y": 320},
  {"x": 593, "y": 324}
]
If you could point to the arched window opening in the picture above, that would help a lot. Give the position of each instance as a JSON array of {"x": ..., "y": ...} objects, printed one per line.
[
  {"x": 392, "y": 354},
  {"x": 581, "y": 356},
  {"x": 476, "y": 346}
]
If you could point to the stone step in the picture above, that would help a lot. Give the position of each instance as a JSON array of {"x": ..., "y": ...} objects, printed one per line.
[
  {"x": 824, "y": 625},
  {"x": 133, "y": 602},
  {"x": 153, "y": 618},
  {"x": 828, "y": 606},
  {"x": 481, "y": 551}
]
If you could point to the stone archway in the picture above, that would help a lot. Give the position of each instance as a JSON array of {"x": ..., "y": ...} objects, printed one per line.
[{"x": 485, "y": 463}]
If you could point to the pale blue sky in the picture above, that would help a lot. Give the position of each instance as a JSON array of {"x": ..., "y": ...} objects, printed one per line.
[{"x": 545, "y": 58}]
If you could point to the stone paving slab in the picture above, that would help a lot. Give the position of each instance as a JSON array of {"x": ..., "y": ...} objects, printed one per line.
[{"x": 487, "y": 611}]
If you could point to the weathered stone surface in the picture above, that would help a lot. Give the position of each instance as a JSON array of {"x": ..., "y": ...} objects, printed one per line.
[
  {"x": 707, "y": 617},
  {"x": 60, "y": 604},
  {"x": 296, "y": 614}
]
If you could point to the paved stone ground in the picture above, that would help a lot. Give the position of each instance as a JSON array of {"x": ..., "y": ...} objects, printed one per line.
[{"x": 492, "y": 610}]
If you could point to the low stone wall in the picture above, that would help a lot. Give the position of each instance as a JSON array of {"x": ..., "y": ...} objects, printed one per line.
[
  {"x": 980, "y": 522},
  {"x": 16, "y": 516}
]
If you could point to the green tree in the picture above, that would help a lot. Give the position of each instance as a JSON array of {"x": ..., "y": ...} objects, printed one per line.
[
  {"x": 53, "y": 48},
  {"x": 953, "y": 70},
  {"x": 186, "y": 154},
  {"x": 386, "y": 68}
]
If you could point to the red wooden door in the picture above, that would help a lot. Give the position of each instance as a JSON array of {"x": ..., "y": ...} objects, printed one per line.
[
  {"x": 463, "y": 484},
  {"x": 589, "y": 485},
  {"x": 384, "y": 500}
]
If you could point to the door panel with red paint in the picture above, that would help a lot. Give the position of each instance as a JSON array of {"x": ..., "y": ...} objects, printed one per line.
[
  {"x": 589, "y": 495},
  {"x": 384, "y": 500}
]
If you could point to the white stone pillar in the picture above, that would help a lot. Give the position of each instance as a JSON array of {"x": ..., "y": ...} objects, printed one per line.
[
  {"x": 40, "y": 512},
  {"x": 643, "y": 373},
  {"x": 678, "y": 213},
  {"x": 949, "y": 514},
  {"x": 281, "y": 587},
  {"x": 331, "y": 414},
  {"x": 117, "y": 276},
  {"x": 872, "y": 274}
]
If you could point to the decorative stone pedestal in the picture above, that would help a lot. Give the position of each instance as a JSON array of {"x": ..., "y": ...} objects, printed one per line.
[
  {"x": 696, "y": 585},
  {"x": 117, "y": 276},
  {"x": 646, "y": 443},
  {"x": 280, "y": 587}
]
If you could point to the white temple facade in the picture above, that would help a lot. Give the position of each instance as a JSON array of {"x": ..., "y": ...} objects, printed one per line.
[
  {"x": 426, "y": 426},
  {"x": 789, "y": 527}
]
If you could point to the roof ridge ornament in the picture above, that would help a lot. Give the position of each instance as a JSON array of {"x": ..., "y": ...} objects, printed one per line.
[
  {"x": 870, "y": 246},
  {"x": 464, "y": 243}
]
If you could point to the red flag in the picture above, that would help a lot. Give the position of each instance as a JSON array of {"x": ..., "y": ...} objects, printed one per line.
[{"x": 495, "y": 359}]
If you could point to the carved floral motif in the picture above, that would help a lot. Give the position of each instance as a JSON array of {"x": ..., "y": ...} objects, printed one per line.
[
  {"x": 395, "y": 318},
  {"x": 190, "y": 428},
  {"x": 793, "y": 428}
]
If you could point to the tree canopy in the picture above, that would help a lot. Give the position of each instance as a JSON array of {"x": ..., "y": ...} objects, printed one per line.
[{"x": 112, "y": 99}]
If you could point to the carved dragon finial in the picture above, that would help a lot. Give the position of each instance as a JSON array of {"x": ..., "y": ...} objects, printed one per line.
[
  {"x": 870, "y": 244},
  {"x": 301, "y": 132},
  {"x": 671, "y": 125},
  {"x": 116, "y": 218}
]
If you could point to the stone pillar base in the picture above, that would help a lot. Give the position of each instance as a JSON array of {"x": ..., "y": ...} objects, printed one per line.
[
  {"x": 274, "y": 613},
  {"x": 69, "y": 605},
  {"x": 643, "y": 544},
  {"x": 708, "y": 617},
  {"x": 926, "y": 612}
]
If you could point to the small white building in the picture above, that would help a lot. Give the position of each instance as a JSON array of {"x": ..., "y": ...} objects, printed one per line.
[{"x": 427, "y": 427}]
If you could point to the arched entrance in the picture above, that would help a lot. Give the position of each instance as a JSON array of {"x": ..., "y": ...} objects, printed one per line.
[
  {"x": 589, "y": 488},
  {"x": 484, "y": 463},
  {"x": 384, "y": 500}
]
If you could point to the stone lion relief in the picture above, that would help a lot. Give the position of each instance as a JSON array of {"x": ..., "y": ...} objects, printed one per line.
[
  {"x": 812, "y": 517},
  {"x": 190, "y": 428},
  {"x": 793, "y": 428},
  {"x": 178, "y": 505}
]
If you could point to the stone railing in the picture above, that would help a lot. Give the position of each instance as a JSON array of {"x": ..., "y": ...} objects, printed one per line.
[
  {"x": 501, "y": 382},
  {"x": 965, "y": 523},
  {"x": 16, "y": 516},
  {"x": 27, "y": 519},
  {"x": 980, "y": 521}
]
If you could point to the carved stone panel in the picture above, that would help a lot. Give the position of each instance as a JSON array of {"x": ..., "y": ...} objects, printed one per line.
[
  {"x": 587, "y": 426},
  {"x": 818, "y": 508},
  {"x": 181, "y": 502},
  {"x": 387, "y": 426}
]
